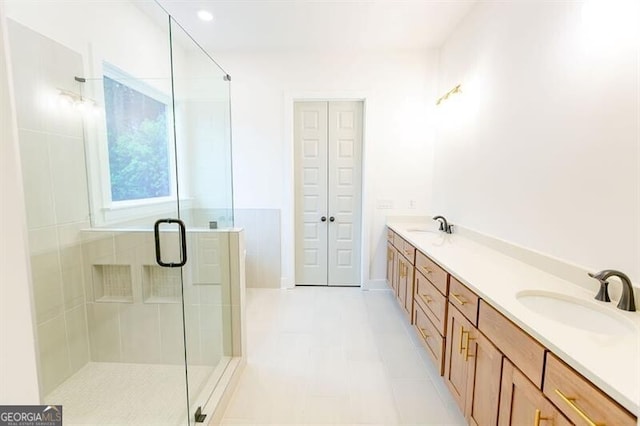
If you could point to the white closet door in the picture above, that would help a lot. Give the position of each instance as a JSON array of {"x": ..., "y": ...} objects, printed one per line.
[
  {"x": 328, "y": 187},
  {"x": 310, "y": 150},
  {"x": 345, "y": 192}
]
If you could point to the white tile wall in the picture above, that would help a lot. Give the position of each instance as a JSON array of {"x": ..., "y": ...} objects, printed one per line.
[
  {"x": 171, "y": 340},
  {"x": 69, "y": 183},
  {"x": 72, "y": 278},
  {"x": 77, "y": 338},
  {"x": 52, "y": 157},
  {"x": 36, "y": 172},
  {"x": 47, "y": 286},
  {"x": 104, "y": 332},
  {"x": 148, "y": 329},
  {"x": 140, "y": 333},
  {"x": 53, "y": 352},
  {"x": 263, "y": 243}
]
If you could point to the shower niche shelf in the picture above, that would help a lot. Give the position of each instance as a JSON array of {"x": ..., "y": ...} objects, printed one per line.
[
  {"x": 112, "y": 283},
  {"x": 161, "y": 285}
]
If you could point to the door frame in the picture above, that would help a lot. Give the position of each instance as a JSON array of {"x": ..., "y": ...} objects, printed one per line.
[{"x": 288, "y": 212}]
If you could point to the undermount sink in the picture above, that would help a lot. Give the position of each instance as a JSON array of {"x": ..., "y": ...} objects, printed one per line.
[
  {"x": 420, "y": 230},
  {"x": 577, "y": 313}
]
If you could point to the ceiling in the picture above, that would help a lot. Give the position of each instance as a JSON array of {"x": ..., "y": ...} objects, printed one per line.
[{"x": 250, "y": 25}]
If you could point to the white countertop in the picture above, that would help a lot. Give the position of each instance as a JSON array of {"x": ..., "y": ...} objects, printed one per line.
[{"x": 612, "y": 362}]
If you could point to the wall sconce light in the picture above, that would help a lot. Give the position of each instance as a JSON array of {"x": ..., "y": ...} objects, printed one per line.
[
  {"x": 449, "y": 93},
  {"x": 68, "y": 98}
]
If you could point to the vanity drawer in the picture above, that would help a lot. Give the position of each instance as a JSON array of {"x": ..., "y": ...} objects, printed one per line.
[
  {"x": 464, "y": 300},
  {"x": 523, "y": 351},
  {"x": 579, "y": 399},
  {"x": 390, "y": 235},
  {"x": 398, "y": 242},
  {"x": 433, "y": 272},
  {"x": 430, "y": 337},
  {"x": 431, "y": 301},
  {"x": 409, "y": 252}
]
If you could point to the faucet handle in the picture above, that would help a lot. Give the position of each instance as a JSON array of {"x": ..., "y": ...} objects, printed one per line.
[{"x": 603, "y": 293}]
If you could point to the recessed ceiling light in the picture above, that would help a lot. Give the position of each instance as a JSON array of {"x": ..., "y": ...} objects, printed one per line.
[{"x": 205, "y": 15}]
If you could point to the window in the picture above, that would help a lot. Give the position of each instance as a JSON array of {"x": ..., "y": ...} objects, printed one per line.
[{"x": 138, "y": 142}]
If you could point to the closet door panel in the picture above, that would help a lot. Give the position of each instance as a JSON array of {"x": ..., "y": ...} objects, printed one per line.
[
  {"x": 310, "y": 150},
  {"x": 344, "y": 192}
]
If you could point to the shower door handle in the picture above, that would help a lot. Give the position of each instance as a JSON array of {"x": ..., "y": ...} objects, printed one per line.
[{"x": 182, "y": 230}]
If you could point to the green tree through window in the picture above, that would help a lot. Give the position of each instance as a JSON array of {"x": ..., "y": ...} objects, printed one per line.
[{"x": 138, "y": 143}]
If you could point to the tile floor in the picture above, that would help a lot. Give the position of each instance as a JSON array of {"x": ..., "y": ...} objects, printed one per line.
[
  {"x": 111, "y": 393},
  {"x": 335, "y": 356}
]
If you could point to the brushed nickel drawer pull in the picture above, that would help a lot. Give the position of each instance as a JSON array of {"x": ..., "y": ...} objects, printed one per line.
[
  {"x": 456, "y": 297},
  {"x": 427, "y": 271},
  {"x": 572, "y": 403}
]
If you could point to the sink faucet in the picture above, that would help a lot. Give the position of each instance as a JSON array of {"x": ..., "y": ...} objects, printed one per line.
[
  {"x": 627, "y": 301},
  {"x": 444, "y": 226}
]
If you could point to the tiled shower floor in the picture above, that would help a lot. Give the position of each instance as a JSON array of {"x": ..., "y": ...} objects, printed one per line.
[
  {"x": 335, "y": 356},
  {"x": 127, "y": 394}
]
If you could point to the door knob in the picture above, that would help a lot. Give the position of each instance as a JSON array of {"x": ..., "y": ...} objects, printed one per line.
[
  {"x": 332, "y": 219},
  {"x": 323, "y": 218}
]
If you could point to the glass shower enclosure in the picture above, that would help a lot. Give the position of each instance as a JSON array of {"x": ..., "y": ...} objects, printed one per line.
[{"x": 125, "y": 142}]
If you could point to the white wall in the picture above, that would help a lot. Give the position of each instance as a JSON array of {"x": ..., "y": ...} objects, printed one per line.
[
  {"x": 18, "y": 372},
  {"x": 399, "y": 88},
  {"x": 542, "y": 147}
]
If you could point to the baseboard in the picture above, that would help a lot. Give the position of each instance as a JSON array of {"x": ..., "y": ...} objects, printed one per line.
[
  {"x": 286, "y": 282},
  {"x": 379, "y": 284}
]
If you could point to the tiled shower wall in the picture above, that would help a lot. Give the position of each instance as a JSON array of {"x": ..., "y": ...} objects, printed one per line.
[
  {"x": 262, "y": 239},
  {"x": 133, "y": 306},
  {"x": 54, "y": 175}
]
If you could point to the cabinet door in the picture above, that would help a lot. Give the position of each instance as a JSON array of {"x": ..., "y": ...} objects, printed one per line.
[
  {"x": 404, "y": 283},
  {"x": 390, "y": 264},
  {"x": 522, "y": 403},
  {"x": 408, "y": 295},
  {"x": 395, "y": 280},
  {"x": 456, "y": 366},
  {"x": 483, "y": 388},
  {"x": 402, "y": 277}
]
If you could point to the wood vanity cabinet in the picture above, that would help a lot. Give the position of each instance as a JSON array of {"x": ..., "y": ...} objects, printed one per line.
[
  {"x": 456, "y": 364},
  {"x": 429, "y": 336},
  {"x": 430, "y": 307},
  {"x": 405, "y": 286},
  {"x": 391, "y": 267},
  {"x": 473, "y": 365},
  {"x": 520, "y": 348},
  {"x": 484, "y": 379},
  {"x": 433, "y": 303},
  {"x": 522, "y": 403},
  {"x": 578, "y": 399},
  {"x": 496, "y": 372},
  {"x": 400, "y": 271}
]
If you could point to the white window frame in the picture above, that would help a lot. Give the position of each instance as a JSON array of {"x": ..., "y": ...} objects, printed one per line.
[{"x": 116, "y": 211}]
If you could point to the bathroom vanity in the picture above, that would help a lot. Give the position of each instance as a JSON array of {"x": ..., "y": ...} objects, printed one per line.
[{"x": 515, "y": 345}]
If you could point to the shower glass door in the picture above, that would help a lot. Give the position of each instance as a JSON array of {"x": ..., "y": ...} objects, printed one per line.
[
  {"x": 122, "y": 126},
  {"x": 203, "y": 141}
]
